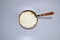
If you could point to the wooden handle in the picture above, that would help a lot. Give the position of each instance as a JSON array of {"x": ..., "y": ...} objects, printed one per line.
[{"x": 46, "y": 14}]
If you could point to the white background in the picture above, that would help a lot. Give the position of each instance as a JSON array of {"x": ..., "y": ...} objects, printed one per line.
[{"x": 46, "y": 29}]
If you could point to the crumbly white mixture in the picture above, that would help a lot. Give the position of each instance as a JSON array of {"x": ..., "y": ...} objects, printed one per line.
[{"x": 28, "y": 19}]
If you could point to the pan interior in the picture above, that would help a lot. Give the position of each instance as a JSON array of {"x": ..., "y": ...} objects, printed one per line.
[{"x": 28, "y": 19}]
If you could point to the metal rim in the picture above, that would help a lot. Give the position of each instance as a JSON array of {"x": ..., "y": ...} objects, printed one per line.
[{"x": 22, "y": 25}]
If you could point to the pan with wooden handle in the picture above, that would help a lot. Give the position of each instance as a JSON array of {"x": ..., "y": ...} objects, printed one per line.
[{"x": 28, "y": 19}]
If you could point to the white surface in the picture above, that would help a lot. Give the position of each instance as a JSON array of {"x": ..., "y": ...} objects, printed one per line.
[{"x": 47, "y": 29}]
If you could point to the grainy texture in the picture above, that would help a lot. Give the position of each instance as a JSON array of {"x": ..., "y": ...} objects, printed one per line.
[{"x": 28, "y": 19}]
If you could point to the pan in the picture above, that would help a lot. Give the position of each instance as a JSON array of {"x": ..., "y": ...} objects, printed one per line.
[{"x": 28, "y": 19}]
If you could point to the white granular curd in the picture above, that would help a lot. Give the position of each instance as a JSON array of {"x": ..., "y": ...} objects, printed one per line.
[{"x": 28, "y": 19}]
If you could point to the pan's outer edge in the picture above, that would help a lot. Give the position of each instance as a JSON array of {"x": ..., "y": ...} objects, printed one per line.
[{"x": 35, "y": 16}]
